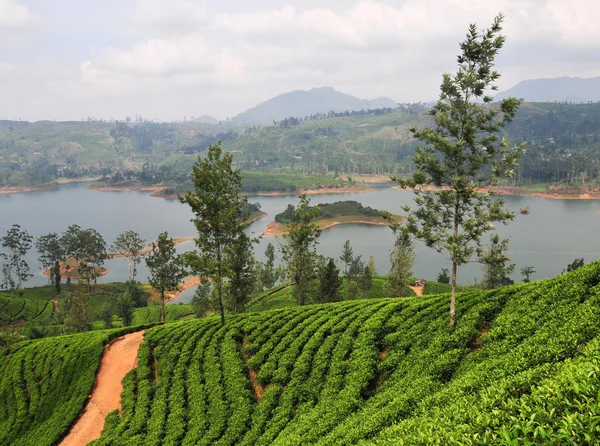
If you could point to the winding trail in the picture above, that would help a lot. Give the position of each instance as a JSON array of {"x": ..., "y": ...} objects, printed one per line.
[
  {"x": 417, "y": 289},
  {"x": 118, "y": 359}
]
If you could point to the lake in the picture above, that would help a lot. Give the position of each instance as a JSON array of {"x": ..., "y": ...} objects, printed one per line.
[{"x": 555, "y": 232}]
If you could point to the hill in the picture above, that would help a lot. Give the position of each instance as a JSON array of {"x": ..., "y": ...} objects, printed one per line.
[
  {"x": 521, "y": 366},
  {"x": 561, "y": 89},
  {"x": 301, "y": 103}
]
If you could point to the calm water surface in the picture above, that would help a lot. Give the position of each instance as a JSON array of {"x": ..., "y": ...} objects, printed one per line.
[{"x": 549, "y": 238}]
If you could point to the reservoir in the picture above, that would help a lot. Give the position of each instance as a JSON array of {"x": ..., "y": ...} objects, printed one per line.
[{"x": 553, "y": 235}]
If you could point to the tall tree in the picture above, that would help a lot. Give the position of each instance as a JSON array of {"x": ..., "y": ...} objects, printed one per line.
[
  {"x": 496, "y": 266},
  {"x": 403, "y": 260},
  {"x": 217, "y": 204},
  {"x": 347, "y": 256},
  {"x": 50, "y": 252},
  {"x": 71, "y": 241},
  {"x": 242, "y": 283},
  {"x": 299, "y": 251},
  {"x": 17, "y": 241},
  {"x": 129, "y": 243},
  {"x": 92, "y": 254},
  {"x": 166, "y": 268},
  {"x": 463, "y": 157},
  {"x": 329, "y": 283},
  {"x": 269, "y": 274}
]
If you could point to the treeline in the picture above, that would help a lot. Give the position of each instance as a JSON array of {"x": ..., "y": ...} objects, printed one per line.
[
  {"x": 291, "y": 121},
  {"x": 332, "y": 210}
]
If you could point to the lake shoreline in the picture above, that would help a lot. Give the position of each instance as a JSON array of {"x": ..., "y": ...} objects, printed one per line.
[{"x": 510, "y": 190}]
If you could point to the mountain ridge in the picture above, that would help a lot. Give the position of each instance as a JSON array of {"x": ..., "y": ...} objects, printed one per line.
[
  {"x": 301, "y": 103},
  {"x": 561, "y": 89}
]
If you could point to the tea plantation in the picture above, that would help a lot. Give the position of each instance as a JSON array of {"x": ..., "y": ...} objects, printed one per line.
[{"x": 521, "y": 366}]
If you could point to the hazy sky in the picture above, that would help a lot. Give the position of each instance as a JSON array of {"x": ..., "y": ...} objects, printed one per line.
[{"x": 166, "y": 59}]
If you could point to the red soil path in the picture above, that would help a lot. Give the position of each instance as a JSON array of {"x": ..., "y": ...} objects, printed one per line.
[{"x": 118, "y": 359}]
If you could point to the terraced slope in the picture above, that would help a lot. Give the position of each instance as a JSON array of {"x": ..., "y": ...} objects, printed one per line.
[{"x": 521, "y": 366}]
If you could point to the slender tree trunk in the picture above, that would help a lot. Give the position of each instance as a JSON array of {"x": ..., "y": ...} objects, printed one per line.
[
  {"x": 219, "y": 291},
  {"x": 453, "y": 297},
  {"x": 298, "y": 295},
  {"x": 162, "y": 309},
  {"x": 454, "y": 267}
]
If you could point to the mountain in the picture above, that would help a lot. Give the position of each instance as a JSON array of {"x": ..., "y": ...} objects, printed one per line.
[
  {"x": 570, "y": 89},
  {"x": 206, "y": 119},
  {"x": 301, "y": 103}
]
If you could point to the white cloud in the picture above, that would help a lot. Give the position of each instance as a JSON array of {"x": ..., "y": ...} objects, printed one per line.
[
  {"x": 14, "y": 15},
  {"x": 233, "y": 54}
]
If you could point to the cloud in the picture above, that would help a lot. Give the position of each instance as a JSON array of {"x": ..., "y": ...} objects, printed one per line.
[
  {"x": 14, "y": 15},
  {"x": 228, "y": 55}
]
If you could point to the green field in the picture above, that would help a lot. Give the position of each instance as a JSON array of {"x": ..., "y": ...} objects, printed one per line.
[{"x": 521, "y": 366}]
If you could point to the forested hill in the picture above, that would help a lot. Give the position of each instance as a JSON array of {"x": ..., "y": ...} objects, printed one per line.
[
  {"x": 561, "y": 89},
  {"x": 301, "y": 103},
  {"x": 563, "y": 145},
  {"x": 521, "y": 366}
]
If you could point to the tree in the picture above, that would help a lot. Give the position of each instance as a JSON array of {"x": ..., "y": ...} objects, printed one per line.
[
  {"x": 357, "y": 267},
  {"x": 129, "y": 243},
  {"x": 577, "y": 263},
  {"x": 268, "y": 273},
  {"x": 347, "y": 256},
  {"x": 372, "y": 267},
  {"x": 496, "y": 269},
  {"x": 125, "y": 304},
  {"x": 463, "y": 157},
  {"x": 329, "y": 283},
  {"x": 527, "y": 272},
  {"x": 78, "y": 313},
  {"x": 443, "y": 276},
  {"x": 204, "y": 299},
  {"x": 366, "y": 279},
  {"x": 106, "y": 315},
  {"x": 17, "y": 241},
  {"x": 299, "y": 250},
  {"x": 217, "y": 204},
  {"x": 71, "y": 241},
  {"x": 91, "y": 253},
  {"x": 242, "y": 283},
  {"x": 50, "y": 253},
  {"x": 166, "y": 268},
  {"x": 402, "y": 259}
]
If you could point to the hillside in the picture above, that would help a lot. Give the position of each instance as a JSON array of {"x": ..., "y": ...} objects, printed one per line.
[
  {"x": 561, "y": 89},
  {"x": 521, "y": 366},
  {"x": 301, "y": 103}
]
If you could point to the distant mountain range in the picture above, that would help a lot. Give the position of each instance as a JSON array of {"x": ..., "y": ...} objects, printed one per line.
[
  {"x": 301, "y": 103},
  {"x": 571, "y": 89}
]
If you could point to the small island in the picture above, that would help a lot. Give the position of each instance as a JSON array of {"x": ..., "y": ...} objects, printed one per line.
[{"x": 334, "y": 214}]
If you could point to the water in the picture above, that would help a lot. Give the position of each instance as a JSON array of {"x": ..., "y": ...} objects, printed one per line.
[{"x": 555, "y": 233}]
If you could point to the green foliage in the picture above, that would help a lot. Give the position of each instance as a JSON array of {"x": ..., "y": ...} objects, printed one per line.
[
  {"x": 403, "y": 259},
  {"x": 217, "y": 204},
  {"x": 44, "y": 385},
  {"x": 463, "y": 155},
  {"x": 299, "y": 250},
  {"x": 333, "y": 210},
  {"x": 521, "y": 365},
  {"x": 576, "y": 264},
  {"x": 329, "y": 283},
  {"x": 443, "y": 276},
  {"x": 526, "y": 272},
  {"x": 166, "y": 268},
  {"x": 129, "y": 243},
  {"x": 496, "y": 266},
  {"x": 17, "y": 242}
]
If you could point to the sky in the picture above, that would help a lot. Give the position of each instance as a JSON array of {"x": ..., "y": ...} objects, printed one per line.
[{"x": 170, "y": 59}]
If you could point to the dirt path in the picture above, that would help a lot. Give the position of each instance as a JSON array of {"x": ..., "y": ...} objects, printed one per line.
[
  {"x": 118, "y": 359},
  {"x": 417, "y": 289}
]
